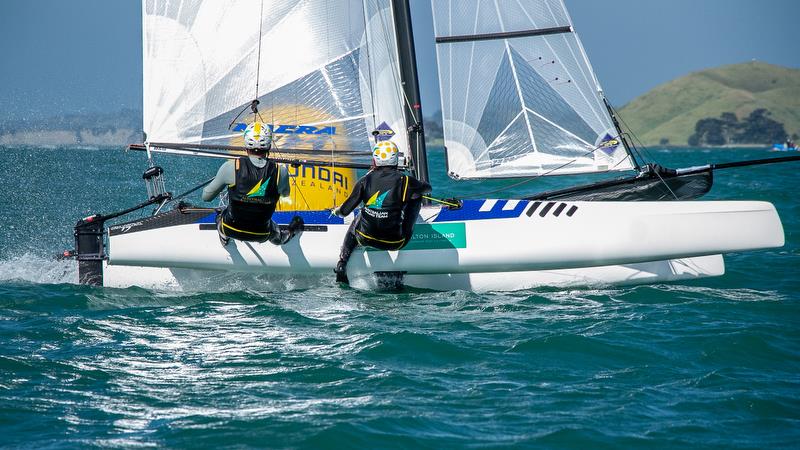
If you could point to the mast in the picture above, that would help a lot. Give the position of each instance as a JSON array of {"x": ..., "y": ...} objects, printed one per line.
[
  {"x": 620, "y": 133},
  {"x": 409, "y": 80}
]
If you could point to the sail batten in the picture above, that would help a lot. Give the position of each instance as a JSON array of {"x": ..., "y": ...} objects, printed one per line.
[
  {"x": 518, "y": 96},
  {"x": 503, "y": 35}
]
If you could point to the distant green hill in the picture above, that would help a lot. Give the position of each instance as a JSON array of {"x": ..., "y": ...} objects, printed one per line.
[
  {"x": 671, "y": 111},
  {"x": 117, "y": 128}
]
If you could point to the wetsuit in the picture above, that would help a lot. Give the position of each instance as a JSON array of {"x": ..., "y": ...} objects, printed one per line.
[
  {"x": 392, "y": 201},
  {"x": 254, "y": 188}
]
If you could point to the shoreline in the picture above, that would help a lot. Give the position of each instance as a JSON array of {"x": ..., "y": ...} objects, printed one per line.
[{"x": 122, "y": 137}]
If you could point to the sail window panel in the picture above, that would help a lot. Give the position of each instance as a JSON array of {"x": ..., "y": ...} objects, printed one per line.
[
  {"x": 476, "y": 17},
  {"x": 503, "y": 105},
  {"x": 541, "y": 97},
  {"x": 558, "y": 62},
  {"x": 511, "y": 154},
  {"x": 513, "y": 143},
  {"x": 554, "y": 140}
]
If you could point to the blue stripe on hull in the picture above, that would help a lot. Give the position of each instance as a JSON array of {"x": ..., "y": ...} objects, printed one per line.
[{"x": 470, "y": 210}]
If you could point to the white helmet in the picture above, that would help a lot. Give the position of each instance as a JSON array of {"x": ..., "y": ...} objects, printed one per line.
[
  {"x": 258, "y": 136},
  {"x": 385, "y": 153}
]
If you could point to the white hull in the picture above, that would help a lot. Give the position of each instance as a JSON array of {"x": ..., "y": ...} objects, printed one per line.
[
  {"x": 162, "y": 278},
  {"x": 487, "y": 245}
]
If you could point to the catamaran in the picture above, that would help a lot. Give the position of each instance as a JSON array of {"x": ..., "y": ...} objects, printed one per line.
[{"x": 519, "y": 100}]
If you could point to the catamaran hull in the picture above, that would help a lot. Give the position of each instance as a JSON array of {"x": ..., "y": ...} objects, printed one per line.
[
  {"x": 525, "y": 238},
  {"x": 164, "y": 278}
]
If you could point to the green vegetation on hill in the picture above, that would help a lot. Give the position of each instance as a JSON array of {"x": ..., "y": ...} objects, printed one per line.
[
  {"x": 728, "y": 129},
  {"x": 670, "y": 112}
]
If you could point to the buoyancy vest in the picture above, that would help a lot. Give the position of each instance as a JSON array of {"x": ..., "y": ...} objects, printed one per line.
[
  {"x": 252, "y": 199},
  {"x": 384, "y": 196}
]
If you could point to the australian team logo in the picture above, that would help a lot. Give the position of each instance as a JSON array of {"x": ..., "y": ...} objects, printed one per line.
[
  {"x": 260, "y": 189},
  {"x": 376, "y": 201}
]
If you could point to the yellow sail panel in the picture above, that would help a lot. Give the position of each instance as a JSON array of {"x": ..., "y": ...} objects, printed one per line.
[
  {"x": 297, "y": 127},
  {"x": 315, "y": 188}
]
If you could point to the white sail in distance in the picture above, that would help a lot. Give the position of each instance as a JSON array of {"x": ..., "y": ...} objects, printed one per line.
[
  {"x": 519, "y": 97},
  {"x": 327, "y": 72}
]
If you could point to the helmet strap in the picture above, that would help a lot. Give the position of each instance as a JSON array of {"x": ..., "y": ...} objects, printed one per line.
[{"x": 261, "y": 152}]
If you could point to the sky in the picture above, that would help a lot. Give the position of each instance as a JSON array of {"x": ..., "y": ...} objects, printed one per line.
[{"x": 81, "y": 56}]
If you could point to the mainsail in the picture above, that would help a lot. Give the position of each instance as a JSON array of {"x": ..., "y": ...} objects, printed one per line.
[
  {"x": 519, "y": 97},
  {"x": 324, "y": 73}
]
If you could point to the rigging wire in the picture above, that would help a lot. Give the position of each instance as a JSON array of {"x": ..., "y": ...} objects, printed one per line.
[
  {"x": 443, "y": 202},
  {"x": 299, "y": 191},
  {"x": 258, "y": 59},
  {"x": 253, "y": 105},
  {"x": 528, "y": 180},
  {"x": 644, "y": 149},
  {"x": 333, "y": 141},
  {"x": 630, "y": 133}
]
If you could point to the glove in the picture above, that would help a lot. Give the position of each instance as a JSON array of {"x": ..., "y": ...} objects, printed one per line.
[{"x": 336, "y": 212}]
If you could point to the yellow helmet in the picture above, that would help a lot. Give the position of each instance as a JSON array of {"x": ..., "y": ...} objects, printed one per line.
[{"x": 385, "y": 153}]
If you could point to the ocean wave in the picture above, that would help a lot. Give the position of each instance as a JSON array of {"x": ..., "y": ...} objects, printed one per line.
[{"x": 33, "y": 268}]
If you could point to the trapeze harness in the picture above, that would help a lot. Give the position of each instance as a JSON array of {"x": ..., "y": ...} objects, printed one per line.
[
  {"x": 392, "y": 202},
  {"x": 252, "y": 201},
  {"x": 380, "y": 224}
]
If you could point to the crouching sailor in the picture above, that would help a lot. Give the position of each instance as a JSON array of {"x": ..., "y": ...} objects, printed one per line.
[
  {"x": 392, "y": 201},
  {"x": 255, "y": 183}
]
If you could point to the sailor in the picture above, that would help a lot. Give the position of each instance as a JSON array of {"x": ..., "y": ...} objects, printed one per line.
[
  {"x": 392, "y": 201},
  {"x": 255, "y": 183}
]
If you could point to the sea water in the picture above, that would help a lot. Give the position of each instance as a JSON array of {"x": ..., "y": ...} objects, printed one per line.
[{"x": 298, "y": 363}]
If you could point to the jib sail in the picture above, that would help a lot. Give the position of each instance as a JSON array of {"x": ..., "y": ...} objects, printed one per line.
[{"x": 519, "y": 98}]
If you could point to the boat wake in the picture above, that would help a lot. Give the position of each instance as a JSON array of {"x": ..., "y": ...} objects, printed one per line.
[{"x": 33, "y": 268}]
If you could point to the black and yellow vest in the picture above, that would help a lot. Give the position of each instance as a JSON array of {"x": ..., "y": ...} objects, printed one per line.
[
  {"x": 381, "y": 222},
  {"x": 252, "y": 199}
]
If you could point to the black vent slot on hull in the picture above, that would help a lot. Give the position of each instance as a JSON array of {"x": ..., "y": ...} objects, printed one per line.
[
  {"x": 532, "y": 209},
  {"x": 546, "y": 209},
  {"x": 549, "y": 207}
]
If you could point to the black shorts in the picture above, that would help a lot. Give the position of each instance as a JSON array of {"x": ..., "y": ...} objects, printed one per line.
[{"x": 246, "y": 235}]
